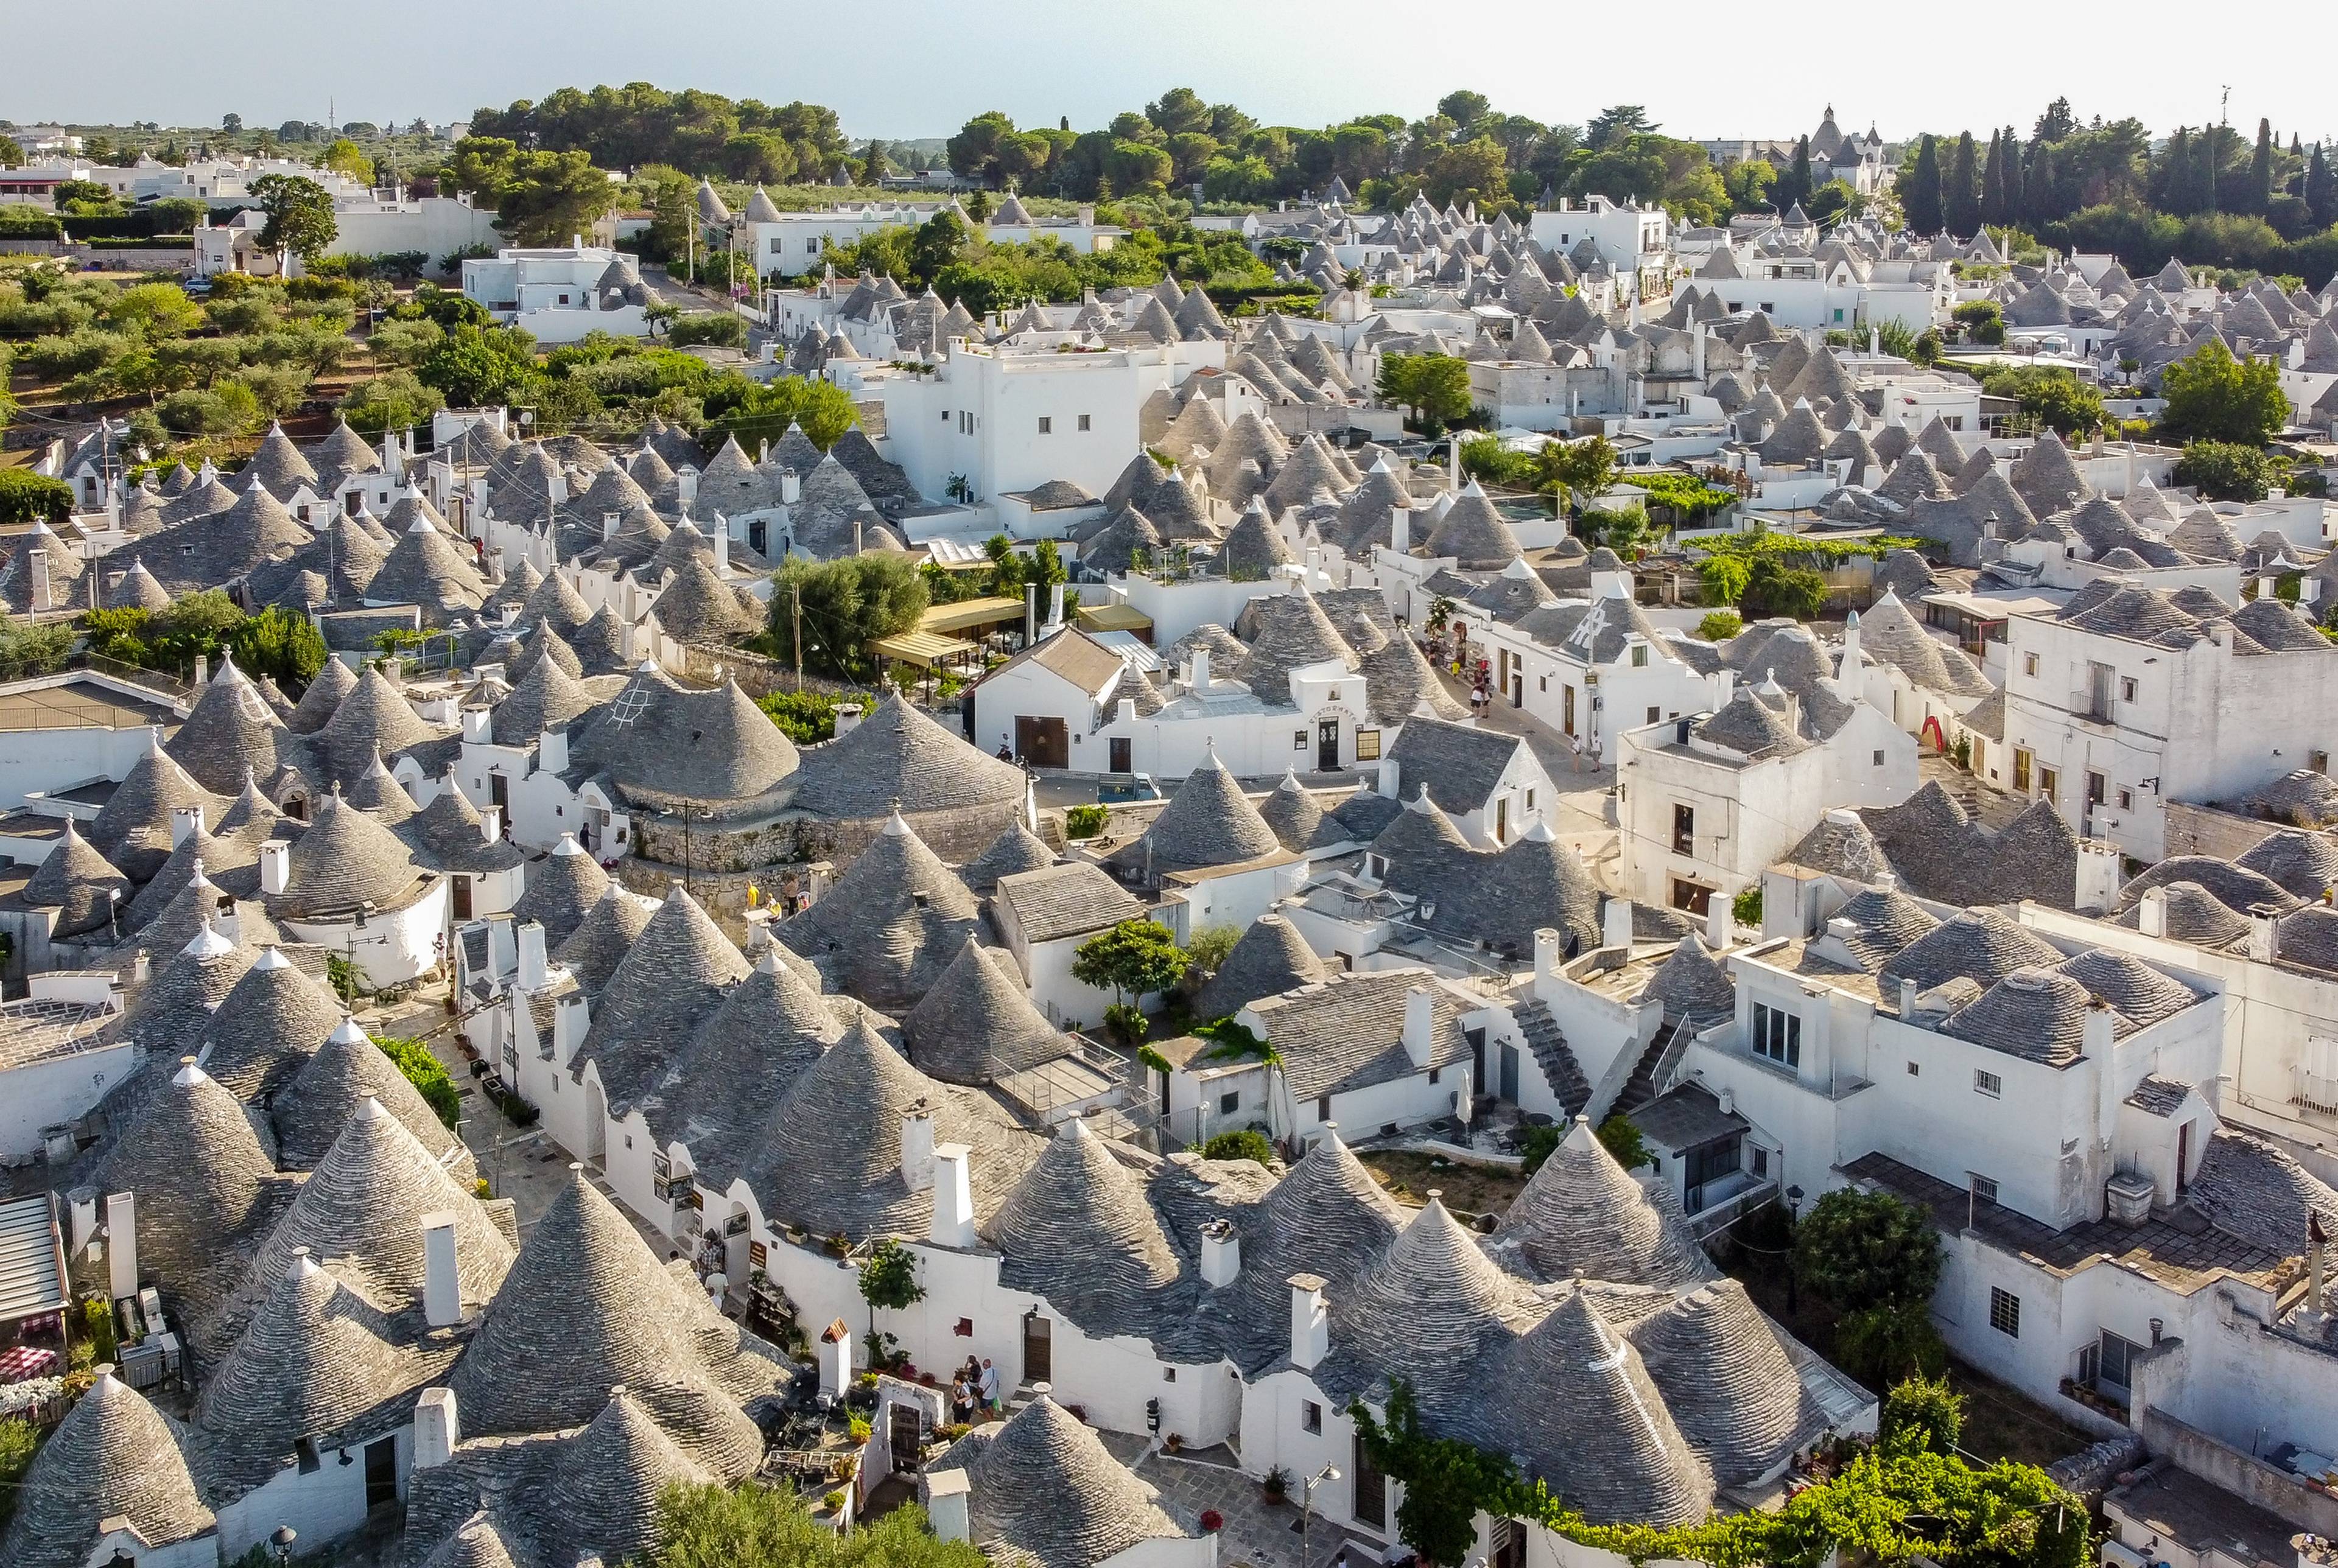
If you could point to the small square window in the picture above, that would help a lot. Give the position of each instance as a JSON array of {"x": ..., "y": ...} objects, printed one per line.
[
  {"x": 1299, "y": 740},
  {"x": 2029, "y": 663},
  {"x": 1639, "y": 656},
  {"x": 1433, "y": 1074},
  {"x": 1311, "y": 1416},
  {"x": 1914, "y": 1070},
  {"x": 2127, "y": 799},
  {"x": 1760, "y": 1161},
  {"x": 1229, "y": 1103},
  {"x": 2127, "y": 688},
  {"x": 1878, "y": 759},
  {"x": 1046, "y": 425},
  {"x": 1987, "y": 1083},
  {"x": 2005, "y": 1312},
  {"x": 1656, "y": 715},
  {"x": 1084, "y": 424}
]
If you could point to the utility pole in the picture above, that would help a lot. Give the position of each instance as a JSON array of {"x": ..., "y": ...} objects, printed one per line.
[{"x": 795, "y": 630}]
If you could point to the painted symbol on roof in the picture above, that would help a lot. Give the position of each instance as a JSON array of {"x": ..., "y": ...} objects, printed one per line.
[{"x": 630, "y": 705}]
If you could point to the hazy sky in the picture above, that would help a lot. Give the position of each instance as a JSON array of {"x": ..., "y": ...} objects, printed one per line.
[{"x": 902, "y": 68}]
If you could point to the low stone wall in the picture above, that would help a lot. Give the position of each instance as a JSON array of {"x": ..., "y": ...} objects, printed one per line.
[
  {"x": 2252, "y": 1480},
  {"x": 2205, "y": 830},
  {"x": 757, "y": 675}
]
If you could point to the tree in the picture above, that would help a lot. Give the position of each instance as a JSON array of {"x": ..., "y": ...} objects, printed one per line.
[
  {"x": 721, "y": 328},
  {"x": 2053, "y": 398},
  {"x": 1133, "y": 959},
  {"x": 756, "y": 412},
  {"x": 157, "y": 310},
  {"x": 2213, "y": 397},
  {"x": 550, "y": 196},
  {"x": 2228, "y": 470},
  {"x": 875, "y": 166},
  {"x": 478, "y": 366},
  {"x": 1465, "y": 109},
  {"x": 1617, "y": 125},
  {"x": 12, "y": 152},
  {"x": 1622, "y": 1139},
  {"x": 345, "y": 157},
  {"x": 231, "y": 123},
  {"x": 1881, "y": 1346},
  {"x": 28, "y": 497},
  {"x": 973, "y": 153},
  {"x": 1243, "y": 1143},
  {"x": 759, "y": 1527},
  {"x": 1435, "y": 386},
  {"x": 299, "y": 215},
  {"x": 2260, "y": 186},
  {"x": 889, "y": 1279},
  {"x": 1798, "y": 178},
  {"x": 939, "y": 240},
  {"x": 1865, "y": 1249},
  {"x": 280, "y": 645},
  {"x": 1750, "y": 183},
  {"x": 1445, "y": 1480},
  {"x": 1961, "y": 193},
  {"x": 69, "y": 192},
  {"x": 1921, "y": 1413},
  {"x": 2321, "y": 190},
  {"x": 1466, "y": 172},
  {"x": 1920, "y": 202},
  {"x": 395, "y": 400},
  {"x": 1582, "y": 470},
  {"x": 847, "y": 603}
]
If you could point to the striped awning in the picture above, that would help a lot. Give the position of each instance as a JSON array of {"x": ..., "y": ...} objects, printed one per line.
[{"x": 29, "y": 1280}]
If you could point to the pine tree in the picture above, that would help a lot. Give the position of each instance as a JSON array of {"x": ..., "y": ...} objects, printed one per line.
[
  {"x": 1961, "y": 196},
  {"x": 2260, "y": 192},
  {"x": 1799, "y": 177},
  {"x": 2203, "y": 175},
  {"x": 2321, "y": 190},
  {"x": 2173, "y": 184},
  {"x": 2014, "y": 186},
  {"x": 1921, "y": 203}
]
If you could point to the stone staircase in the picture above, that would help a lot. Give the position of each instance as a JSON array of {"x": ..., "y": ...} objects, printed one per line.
[
  {"x": 1641, "y": 1086},
  {"x": 1549, "y": 1043}
]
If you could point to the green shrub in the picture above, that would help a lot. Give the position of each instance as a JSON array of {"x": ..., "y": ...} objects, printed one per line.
[
  {"x": 394, "y": 400},
  {"x": 718, "y": 328},
  {"x": 422, "y": 1070},
  {"x": 1884, "y": 1345},
  {"x": 1720, "y": 625},
  {"x": 1084, "y": 821},
  {"x": 1774, "y": 588},
  {"x": 98, "y": 1325},
  {"x": 1245, "y": 1143},
  {"x": 1622, "y": 1139},
  {"x": 27, "y": 650},
  {"x": 1746, "y": 907},
  {"x": 26, "y": 497},
  {"x": 1923, "y": 1413},
  {"x": 2228, "y": 470},
  {"x": 1538, "y": 1145},
  {"x": 18, "y": 1444},
  {"x": 807, "y": 717}
]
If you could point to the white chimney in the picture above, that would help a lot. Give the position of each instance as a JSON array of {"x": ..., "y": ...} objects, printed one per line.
[
  {"x": 491, "y": 824},
  {"x": 437, "y": 1428},
  {"x": 2263, "y": 933},
  {"x": 1310, "y": 1321},
  {"x": 442, "y": 1285},
  {"x": 1420, "y": 1020},
  {"x": 551, "y": 751},
  {"x": 1221, "y": 1253},
  {"x": 82, "y": 1204},
  {"x": 947, "y": 1493},
  {"x": 1719, "y": 924},
  {"x": 1616, "y": 923},
  {"x": 953, "y": 1224},
  {"x": 1388, "y": 784},
  {"x": 531, "y": 969},
  {"x": 1199, "y": 676},
  {"x": 848, "y": 718},
  {"x": 722, "y": 532},
  {"x": 122, "y": 1244},
  {"x": 275, "y": 865},
  {"x": 1401, "y": 531},
  {"x": 1547, "y": 950},
  {"x": 836, "y": 1358},
  {"x": 475, "y": 727},
  {"x": 186, "y": 822},
  {"x": 790, "y": 488},
  {"x": 2151, "y": 916},
  {"x": 2095, "y": 1039},
  {"x": 918, "y": 1148},
  {"x": 1056, "y": 605},
  {"x": 686, "y": 487}
]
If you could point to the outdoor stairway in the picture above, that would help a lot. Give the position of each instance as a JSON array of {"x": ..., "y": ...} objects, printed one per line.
[
  {"x": 1050, "y": 830},
  {"x": 1641, "y": 1086},
  {"x": 1559, "y": 1068}
]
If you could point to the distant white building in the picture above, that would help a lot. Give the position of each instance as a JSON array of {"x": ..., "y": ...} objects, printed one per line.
[{"x": 560, "y": 293}]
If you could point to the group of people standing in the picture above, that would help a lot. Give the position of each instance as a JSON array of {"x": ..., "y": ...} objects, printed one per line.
[{"x": 975, "y": 1392}]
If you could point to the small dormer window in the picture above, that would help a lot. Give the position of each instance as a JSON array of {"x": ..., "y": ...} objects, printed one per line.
[{"x": 1639, "y": 656}]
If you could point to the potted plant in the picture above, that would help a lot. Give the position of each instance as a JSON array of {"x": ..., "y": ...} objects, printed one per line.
[
  {"x": 1173, "y": 1442},
  {"x": 1277, "y": 1486},
  {"x": 1213, "y": 1521}
]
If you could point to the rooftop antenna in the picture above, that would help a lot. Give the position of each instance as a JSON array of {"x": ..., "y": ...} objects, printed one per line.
[{"x": 2224, "y": 106}]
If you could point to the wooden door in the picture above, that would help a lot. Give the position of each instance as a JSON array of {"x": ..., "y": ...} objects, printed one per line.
[
  {"x": 462, "y": 894},
  {"x": 499, "y": 792},
  {"x": 1372, "y": 1490},
  {"x": 1120, "y": 757},
  {"x": 1038, "y": 1348},
  {"x": 906, "y": 1438},
  {"x": 1043, "y": 742},
  {"x": 1510, "y": 1073},
  {"x": 381, "y": 1474}
]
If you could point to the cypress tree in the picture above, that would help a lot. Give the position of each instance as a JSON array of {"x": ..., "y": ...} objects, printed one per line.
[
  {"x": 1921, "y": 204},
  {"x": 2014, "y": 186},
  {"x": 1799, "y": 175},
  {"x": 2175, "y": 182},
  {"x": 1992, "y": 180},
  {"x": 2321, "y": 190},
  {"x": 1961, "y": 195},
  {"x": 2260, "y": 193},
  {"x": 2204, "y": 170}
]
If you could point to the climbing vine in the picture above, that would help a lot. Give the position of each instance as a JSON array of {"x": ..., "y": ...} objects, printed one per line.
[{"x": 1899, "y": 1500}]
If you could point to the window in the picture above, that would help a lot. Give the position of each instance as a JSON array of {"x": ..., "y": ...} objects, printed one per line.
[
  {"x": 1838, "y": 315},
  {"x": 2318, "y": 761},
  {"x": 2127, "y": 799},
  {"x": 2022, "y": 770},
  {"x": 1084, "y": 425},
  {"x": 1639, "y": 656},
  {"x": 1322, "y": 1107},
  {"x": 777, "y": 244},
  {"x": 1984, "y": 1187},
  {"x": 1684, "y": 829},
  {"x": 1299, "y": 740},
  {"x": 1760, "y": 1161},
  {"x": 2005, "y": 1312},
  {"x": 1046, "y": 425},
  {"x": 2049, "y": 785},
  {"x": 1368, "y": 745},
  {"x": 1777, "y": 1034},
  {"x": 1955, "y": 421},
  {"x": 1987, "y": 1083},
  {"x": 946, "y": 415},
  {"x": 1878, "y": 759},
  {"x": 1311, "y": 1416},
  {"x": 2114, "y": 1362},
  {"x": 2097, "y": 788},
  {"x": 1914, "y": 1070},
  {"x": 1230, "y": 1104},
  {"x": 2127, "y": 688},
  {"x": 1656, "y": 714},
  {"x": 1529, "y": 801}
]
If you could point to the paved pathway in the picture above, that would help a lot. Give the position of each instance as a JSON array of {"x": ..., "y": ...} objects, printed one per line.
[{"x": 1254, "y": 1533}]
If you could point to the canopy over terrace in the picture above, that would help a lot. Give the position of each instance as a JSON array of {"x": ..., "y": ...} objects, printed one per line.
[
  {"x": 926, "y": 649},
  {"x": 1115, "y": 616}
]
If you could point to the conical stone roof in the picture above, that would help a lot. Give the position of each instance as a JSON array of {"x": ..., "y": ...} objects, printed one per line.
[
  {"x": 976, "y": 1024},
  {"x": 113, "y": 1456}
]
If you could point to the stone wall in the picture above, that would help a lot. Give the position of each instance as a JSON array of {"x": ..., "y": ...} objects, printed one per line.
[{"x": 2205, "y": 830}]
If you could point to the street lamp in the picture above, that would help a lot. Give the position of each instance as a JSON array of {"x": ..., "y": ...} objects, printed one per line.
[
  {"x": 281, "y": 1539},
  {"x": 1307, "y": 1508},
  {"x": 1793, "y": 1217}
]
